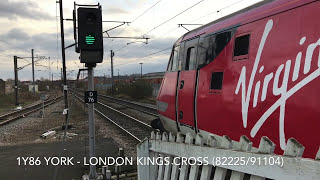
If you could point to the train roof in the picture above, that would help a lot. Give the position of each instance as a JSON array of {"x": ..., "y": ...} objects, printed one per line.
[{"x": 247, "y": 15}]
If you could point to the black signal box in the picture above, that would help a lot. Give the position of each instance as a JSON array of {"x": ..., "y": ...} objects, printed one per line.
[
  {"x": 90, "y": 29},
  {"x": 90, "y": 39}
]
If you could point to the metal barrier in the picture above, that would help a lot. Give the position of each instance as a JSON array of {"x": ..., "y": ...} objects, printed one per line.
[{"x": 181, "y": 157}]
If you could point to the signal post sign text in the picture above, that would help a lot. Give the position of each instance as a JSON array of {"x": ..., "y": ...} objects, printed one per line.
[{"x": 90, "y": 96}]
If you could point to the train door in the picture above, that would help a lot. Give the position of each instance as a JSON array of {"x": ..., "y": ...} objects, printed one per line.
[
  {"x": 166, "y": 100},
  {"x": 186, "y": 87}
]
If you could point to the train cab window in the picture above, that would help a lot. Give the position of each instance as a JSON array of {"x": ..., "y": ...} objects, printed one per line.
[
  {"x": 173, "y": 66},
  {"x": 174, "y": 60},
  {"x": 179, "y": 64},
  {"x": 211, "y": 46},
  {"x": 216, "y": 80},
  {"x": 170, "y": 62},
  {"x": 191, "y": 59},
  {"x": 241, "y": 47}
]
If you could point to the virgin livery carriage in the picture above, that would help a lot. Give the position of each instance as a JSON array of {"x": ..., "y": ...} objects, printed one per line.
[{"x": 254, "y": 73}]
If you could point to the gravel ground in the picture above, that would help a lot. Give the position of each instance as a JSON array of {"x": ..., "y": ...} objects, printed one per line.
[
  {"x": 22, "y": 138},
  {"x": 106, "y": 129},
  {"x": 5, "y": 111},
  {"x": 28, "y": 130}
]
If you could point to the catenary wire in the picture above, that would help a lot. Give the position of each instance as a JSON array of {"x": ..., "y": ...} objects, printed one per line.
[
  {"x": 172, "y": 17},
  {"x": 216, "y": 11},
  {"x": 139, "y": 16}
]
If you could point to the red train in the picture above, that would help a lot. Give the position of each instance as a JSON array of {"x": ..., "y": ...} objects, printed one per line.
[{"x": 253, "y": 73}]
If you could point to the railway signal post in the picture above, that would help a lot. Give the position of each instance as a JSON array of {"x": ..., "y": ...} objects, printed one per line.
[
  {"x": 112, "y": 82},
  {"x": 93, "y": 173},
  {"x": 16, "y": 80},
  {"x": 43, "y": 98},
  {"x": 90, "y": 46}
]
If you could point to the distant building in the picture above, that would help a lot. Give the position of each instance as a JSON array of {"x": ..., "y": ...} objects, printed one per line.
[
  {"x": 108, "y": 80},
  {"x": 9, "y": 88},
  {"x": 154, "y": 77},
  {"x": 26, "y": 83},
  {"x": 35, "y": 88}
]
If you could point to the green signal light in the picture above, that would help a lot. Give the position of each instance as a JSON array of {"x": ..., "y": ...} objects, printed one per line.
[{"x": 90, "y": 39}]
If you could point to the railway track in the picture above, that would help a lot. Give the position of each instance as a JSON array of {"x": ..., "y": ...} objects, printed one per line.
[
  {"x": 12, "y": 116},
  {"x": 147, "y": 109},
  {"x": 130, "y": 125},
  {"x": 133, "y": 105}
]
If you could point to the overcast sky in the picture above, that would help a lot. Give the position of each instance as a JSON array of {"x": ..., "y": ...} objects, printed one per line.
[{"x": 33, "y": 24}]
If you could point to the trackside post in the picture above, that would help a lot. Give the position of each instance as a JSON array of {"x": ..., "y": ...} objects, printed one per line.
[{"x": 90, "y": 46}]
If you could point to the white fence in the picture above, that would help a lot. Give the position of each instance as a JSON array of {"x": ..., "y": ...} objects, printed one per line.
[{"x": 225, "y": 159}]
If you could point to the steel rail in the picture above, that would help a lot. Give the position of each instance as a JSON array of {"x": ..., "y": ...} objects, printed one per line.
[
  {"x": 124, "y": 114},
  {"x": 120, "y": 101},
  {"x": 130, "y": 102},
  {"x": 133, "y": 105},
  {"x": 4, "y": 116},
  {"x": 115, "y": 123},
  {"x": 22, "y": 114},
  {"x": 120, "y": 112},
  {"x": 105, "y": 116}
]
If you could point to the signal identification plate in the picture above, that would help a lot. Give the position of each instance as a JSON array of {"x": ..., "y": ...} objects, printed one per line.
[{"x": 90, "y": 96}]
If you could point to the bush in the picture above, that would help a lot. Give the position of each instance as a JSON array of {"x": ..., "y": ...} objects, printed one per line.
[
  {"x": 7, "y": 100},
  {"x": 137, "y": 90}
]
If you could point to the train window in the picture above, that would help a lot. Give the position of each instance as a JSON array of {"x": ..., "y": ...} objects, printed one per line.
[
  {"x": 216, "y": 80},
  {"x": 179, "y": 64},
  {"x": 211, "y": 46},
  {"x": 174, "y": 59},
  {"x": 241, "y": 47},
  {"x": 170, "y": 62},
  {"x": 191, "y": 59}
]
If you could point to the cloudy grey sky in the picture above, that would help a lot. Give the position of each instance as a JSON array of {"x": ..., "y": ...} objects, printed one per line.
[{"x": 33, "y": 24}]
